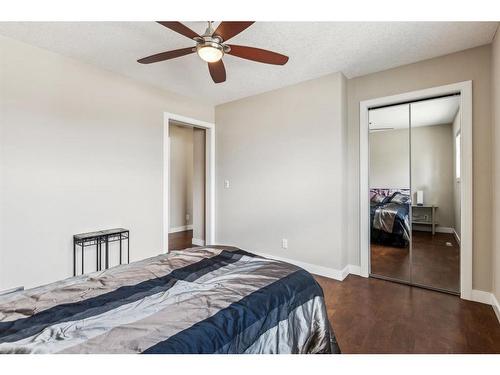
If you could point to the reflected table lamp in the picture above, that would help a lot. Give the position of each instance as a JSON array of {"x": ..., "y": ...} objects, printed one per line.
[{"x": 420, "y": 198}]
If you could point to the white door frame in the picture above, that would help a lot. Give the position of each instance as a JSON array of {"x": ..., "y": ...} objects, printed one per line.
[
  {"x": 466, "y": 199},
  {"x": 209, "y": 175}
]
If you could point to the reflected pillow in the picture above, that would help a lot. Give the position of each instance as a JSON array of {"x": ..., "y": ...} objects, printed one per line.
[
  {"x": 378, "y": 198},
  {"x": 400, "y": 198}
]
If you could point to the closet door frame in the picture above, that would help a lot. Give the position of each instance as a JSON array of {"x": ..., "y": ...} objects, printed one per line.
[{"x": 466, "y": 199}]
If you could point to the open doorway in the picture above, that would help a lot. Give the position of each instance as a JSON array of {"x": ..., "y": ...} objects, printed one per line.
[
  {"x": 209, "y": 179},
  {"x": 186, "y": 186}
]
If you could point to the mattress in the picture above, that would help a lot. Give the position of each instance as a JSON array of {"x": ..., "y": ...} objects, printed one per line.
[{"x": 203, "y": 300}]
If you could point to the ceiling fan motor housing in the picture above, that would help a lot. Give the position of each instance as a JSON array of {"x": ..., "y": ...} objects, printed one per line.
[{"x": 213, "y": 41}]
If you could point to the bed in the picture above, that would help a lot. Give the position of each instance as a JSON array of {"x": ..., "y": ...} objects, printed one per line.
[
  {"x": 389, "y": 216},
  {"x": 202, "y": 300}
]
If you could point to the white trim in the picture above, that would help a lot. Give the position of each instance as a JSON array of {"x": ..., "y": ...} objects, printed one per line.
[
  {"x": 457, "y": 237},
  {"x": 354, "y": 269},
  {"x": 364, "y": 208},
  {"x": 496, "y": 306},
  {"x": 445, "y": 230},
  {"x": 182, "y": 228},
  {"x": 466, "y": 201},
  {"x": 427, "y": 228},
  {"x": 197, "y": 242},
  {"x": 209, "y": 174},
  {"x": 481, "y": 296},
  {"x": 315, "y": 269},
  {"x": 487, "y": 298}
]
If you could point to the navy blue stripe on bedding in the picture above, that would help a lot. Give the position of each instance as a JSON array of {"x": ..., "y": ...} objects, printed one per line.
[
  {"x": 245, "y": 339},
  {"x": 228, "y": 325},
  {"x": 26, "y": 327}
]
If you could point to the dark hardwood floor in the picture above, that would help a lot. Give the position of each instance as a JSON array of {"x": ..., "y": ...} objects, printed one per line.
[
  {"x": 375, "y": 316},
  {"x": 434, "y": 263},
  {"x": 180, "y": 240}
]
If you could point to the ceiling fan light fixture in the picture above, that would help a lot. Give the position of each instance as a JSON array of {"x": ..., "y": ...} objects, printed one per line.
[{"x": 210, "y": 52}]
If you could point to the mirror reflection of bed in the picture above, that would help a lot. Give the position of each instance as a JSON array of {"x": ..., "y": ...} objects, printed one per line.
[
  {"x": 390, "y": 233},
  {"x": 415, "y": 193}
]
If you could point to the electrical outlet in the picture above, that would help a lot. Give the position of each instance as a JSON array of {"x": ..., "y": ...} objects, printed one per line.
[
  {"x": 226, "y": 184},
  {"x": 284, "y": 243},
  {"x": 187, "y": 217}
]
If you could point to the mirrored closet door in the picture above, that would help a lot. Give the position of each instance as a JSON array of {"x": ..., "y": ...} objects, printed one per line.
[
  {"x": 414, "y": 185},
  {"x": 435, "y": 187},
  {"x": 389, "y": 179}
]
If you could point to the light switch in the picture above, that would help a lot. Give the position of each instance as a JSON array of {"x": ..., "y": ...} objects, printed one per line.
[{"x": 226, "y": 184}]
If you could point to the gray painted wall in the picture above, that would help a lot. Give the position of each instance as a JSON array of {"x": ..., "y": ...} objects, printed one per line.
[{"x": 284, "y": 155}]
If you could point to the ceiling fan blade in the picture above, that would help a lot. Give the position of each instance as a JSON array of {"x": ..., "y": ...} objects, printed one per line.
[
  {"x": 166, "y": 55},
  {"x": 217, "y": 71},
  {"x": 258, "y": 54},
  {"x": 227, "y": 29},
  {"x": 179, "y": 28}
]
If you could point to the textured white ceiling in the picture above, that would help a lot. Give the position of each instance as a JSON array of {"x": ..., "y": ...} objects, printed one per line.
[
  {"x": 424, "y": 113},
  {"x": 314, "y": 48}
]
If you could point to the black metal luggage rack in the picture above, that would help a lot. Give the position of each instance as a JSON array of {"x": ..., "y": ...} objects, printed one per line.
[{"x": 97, "y": 239}]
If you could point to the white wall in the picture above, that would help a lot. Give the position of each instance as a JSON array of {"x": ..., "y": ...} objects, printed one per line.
[
  {"x": 284, "y": 154},
  {"x": 472, "y": 64},
  {"x": 181, "y": 177},
  {"x": 80, "y": 150},
  {"x": 199, "y": 138},
  {"x": 495, "y": 264},
  {"x": 390, "y": 159},
  {"x": 432, "y": 169}
]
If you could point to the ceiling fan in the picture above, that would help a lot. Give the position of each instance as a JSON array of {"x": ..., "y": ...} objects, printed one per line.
[{"x": 211, "y": 47}]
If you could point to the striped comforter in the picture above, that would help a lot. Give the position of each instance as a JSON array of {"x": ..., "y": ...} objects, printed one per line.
[{"x": 203, "y": 300}]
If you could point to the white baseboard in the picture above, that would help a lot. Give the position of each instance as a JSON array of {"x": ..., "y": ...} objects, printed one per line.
[
  {"x": 457, "y": 237},
  {"x": 331, "y": 273},
  {"x": 354, "y": 269},
  {"x": 180, "y": 229},
  {"x": 445, "y": 230},
  {"x": 481, "y": 296},
  {"x": 197, "y": 242},
  {"x": 427, "y": 228},
  {"x": 496, "y": 306},
  {"x": 487, "y": 298}
]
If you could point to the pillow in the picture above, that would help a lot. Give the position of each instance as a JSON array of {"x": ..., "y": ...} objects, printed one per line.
[
  {"x": 399, "y": 198},
  {"x": 378, "y": 198}
]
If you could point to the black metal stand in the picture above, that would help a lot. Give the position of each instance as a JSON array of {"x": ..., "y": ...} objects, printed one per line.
[{"x": 97, "y": 239}]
